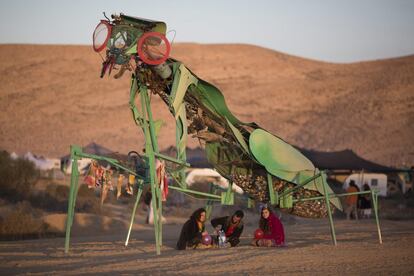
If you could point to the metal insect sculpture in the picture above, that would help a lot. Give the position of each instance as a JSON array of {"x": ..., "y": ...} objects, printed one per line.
[{"x": 264, "y": 166}]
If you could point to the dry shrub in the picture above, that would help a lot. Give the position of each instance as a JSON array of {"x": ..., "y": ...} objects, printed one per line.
[
  {"x": 17, "y": 177},
  {"x": 22, "y": 223},
  {"x": 55, "y": 199},
  {"x": 87, "y": 200}
]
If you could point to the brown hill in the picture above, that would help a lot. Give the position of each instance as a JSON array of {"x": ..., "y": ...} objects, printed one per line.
[{"x": 52, "y": 96}]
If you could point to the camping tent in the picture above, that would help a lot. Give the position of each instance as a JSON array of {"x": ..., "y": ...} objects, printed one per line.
[
  {"x": 41, "y": 162},
  {"x": 210, "y": 176}
]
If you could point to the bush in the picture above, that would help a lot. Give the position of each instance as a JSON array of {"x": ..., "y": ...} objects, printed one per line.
[
  {"x": 87, "y": 201},
  {"x": 22, "y": 223},
  {"x": 55, "y": 199},
  {"x": 17, "y": 177},
  {"x": 51, "y": 199}
]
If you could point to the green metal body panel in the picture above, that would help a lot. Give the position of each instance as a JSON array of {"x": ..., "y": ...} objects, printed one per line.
[
  {"x": 239, "y": 137},
  {"x": 145, "y": 24},
  {"x": 212, "y": 98},
  {"x": 183, "y": 79},
  {"x": 276, "y": 155}
]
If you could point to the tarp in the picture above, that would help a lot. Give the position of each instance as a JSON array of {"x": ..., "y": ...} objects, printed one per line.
[{"x": 344, "y": 160}]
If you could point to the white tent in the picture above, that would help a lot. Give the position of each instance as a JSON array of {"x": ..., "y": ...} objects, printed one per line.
[
  {"x": 83, "y": 165},
  {"x": 14, "y": 155},
  {"x": 42, "y": 163},
  {"x": 210, "y": 176}
]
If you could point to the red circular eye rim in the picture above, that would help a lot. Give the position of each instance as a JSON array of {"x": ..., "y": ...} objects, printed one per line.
[
  {"x": 107, "y": 37},
  {"x": 141, "y": 54}
]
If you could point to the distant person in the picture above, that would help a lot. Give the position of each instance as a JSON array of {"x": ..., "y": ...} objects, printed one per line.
[
  {"x": 272, "y": 227},
  {"x": 163, "y": 184},
  {"x": 232, "y": 226},
  {"x": 193, "y": 231},
  {"x": 142, "y": 168},
  {"x": 351, "y": 201},
  {"x": 365, "y": 202}
]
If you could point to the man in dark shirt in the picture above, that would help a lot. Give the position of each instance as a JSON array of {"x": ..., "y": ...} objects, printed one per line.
[{"x": 231, "y": 225}]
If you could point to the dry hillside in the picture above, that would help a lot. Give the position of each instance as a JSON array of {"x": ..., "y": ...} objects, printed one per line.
[{"x": 52, "y": 96}]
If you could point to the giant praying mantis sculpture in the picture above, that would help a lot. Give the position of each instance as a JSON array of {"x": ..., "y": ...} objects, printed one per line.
[{"x": 267, "y": 168}]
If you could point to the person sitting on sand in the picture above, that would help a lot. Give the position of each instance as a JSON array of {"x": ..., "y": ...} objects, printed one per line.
[
  {"x": 274, "y": 234},
  {"x": 232, "y": 226},
  {"x": 193, "y": 230}
]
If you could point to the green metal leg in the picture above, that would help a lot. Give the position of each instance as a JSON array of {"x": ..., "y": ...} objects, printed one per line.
[
  {"x": 156, "y": 224},
  {"x": 250, "y": 203},
  {"x": 209, "y": 204},
  {"x": 72, "y": 201},
  {"x": 149, "y": 150},
  {"x": 159, "y": 216},
  {"x": 271, "y": 190},
  {"x": 133, "y": 215},
  {"x": 374, "y": 197},
  {"x": 328, "y": 206}
]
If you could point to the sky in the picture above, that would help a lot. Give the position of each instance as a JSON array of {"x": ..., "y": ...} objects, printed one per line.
[{"x": 340, "y": 31}]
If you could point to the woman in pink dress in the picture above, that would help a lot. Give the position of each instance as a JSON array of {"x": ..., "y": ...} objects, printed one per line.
[{"x": 272, "y": 228}]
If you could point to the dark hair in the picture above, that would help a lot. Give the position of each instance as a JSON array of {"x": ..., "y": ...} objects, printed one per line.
[
  {"x": 264, "y": 223},
  {"x": 197, "y": 213},
  {"x": 352, "y": 183},
  {"x": 239, "y": 213}
]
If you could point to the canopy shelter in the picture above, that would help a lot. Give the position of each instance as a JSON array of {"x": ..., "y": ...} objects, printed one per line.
[{"x": 345, "y": 160}]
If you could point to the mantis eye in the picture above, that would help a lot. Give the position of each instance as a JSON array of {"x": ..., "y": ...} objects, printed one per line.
[
  {"x": 153, "y": 48},
  {"x": 101, "y": 35}
]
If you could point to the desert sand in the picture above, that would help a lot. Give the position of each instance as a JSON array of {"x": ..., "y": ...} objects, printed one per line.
[
  {"x": 97, "y": 246},
  {"x": 52, "y": 97}
]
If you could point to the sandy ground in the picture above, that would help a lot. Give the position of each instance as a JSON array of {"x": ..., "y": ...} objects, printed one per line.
[{"x": 97, "y": 249}]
